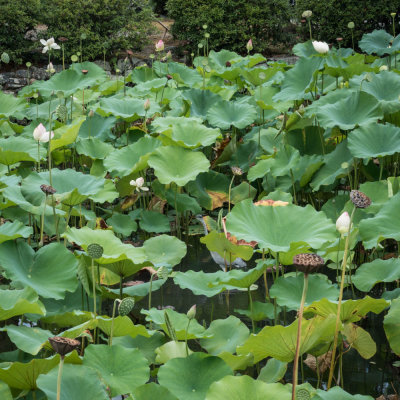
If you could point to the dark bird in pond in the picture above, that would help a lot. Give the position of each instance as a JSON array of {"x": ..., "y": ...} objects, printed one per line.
[{"x": 221, "y": 261}]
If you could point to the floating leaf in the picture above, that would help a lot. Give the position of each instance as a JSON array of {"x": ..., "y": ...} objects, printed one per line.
[{"x": 164, "y": 250}]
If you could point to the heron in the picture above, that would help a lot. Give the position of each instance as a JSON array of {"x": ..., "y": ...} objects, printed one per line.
[{"x": 221, "y": 261}]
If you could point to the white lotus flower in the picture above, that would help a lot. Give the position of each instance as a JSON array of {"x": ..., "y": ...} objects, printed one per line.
[
  {"x": 50, "y": 68},
  {"x": 343, "y": 223},
  {"x": 41, "y": 135},
  {"x": 138, "y": 184},
  {"x": 49, "y": 44},
  {"x": 320, "y": 47}
]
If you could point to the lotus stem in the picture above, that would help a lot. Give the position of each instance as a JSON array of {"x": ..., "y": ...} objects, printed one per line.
[
  {"x": 94, "y": 289},
  {"x": 251, "y": 309},
  {"x": 186, "y": 337},
  {"x": 42, "y": 222},
  {"x": 38, "y": 151},
  {"x": 309, "y": 27},
  {"x": 229, "y": 193},
  {"x": 60, "y": 368},
  {"x": 344, "y": 264},
  {"x": 296, "y": 357},
  {"x": 112, "y": 322}
]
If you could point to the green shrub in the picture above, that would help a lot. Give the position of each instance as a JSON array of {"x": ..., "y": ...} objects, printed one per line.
[
  {"x": 230, "y": 23},
  {"x": 108, "y": 24},
  {"x": 330, "y": 18}
]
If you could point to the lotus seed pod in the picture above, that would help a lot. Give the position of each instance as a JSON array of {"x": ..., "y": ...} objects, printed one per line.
[
  {"x": 62, "y": 112},
  {"x": 126, "y": 305},
  {"x": 163, "y": 272},
  {"x": 307, "y": 14},
  {"x": 63, "y": 345},
  {"x": 237, "y": 171},
  {"x": 308, "y": 262},
  {"x": 350, "y": 25},
  {"x": 302, "y": 394},
  {"x": 359, "y": 199},
  {"x": 47, "y": 189},
  {"x": 5, "y": 58},
  {"x": 94, "y": 250}
]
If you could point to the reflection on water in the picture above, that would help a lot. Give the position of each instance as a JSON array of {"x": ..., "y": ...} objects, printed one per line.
[{"x": 369, "y": 377}]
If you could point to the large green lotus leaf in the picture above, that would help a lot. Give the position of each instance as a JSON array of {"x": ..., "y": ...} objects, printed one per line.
[
  {"x": 122, "y": 223},
  {"x": 237, "y": 362},
  {"x": 178, "y": 321},
  {"x": 217, "y": 242},
  {"x": 224, "y": 114},
  {"x": 190, "y": 378},
  {"x": 273, "y": 371},
  {"x": 94, "y": 148},
  {"x": 178, "y": 165},
  {"x": 374, "y": 140},
  {"x": 385, "y": 224},
  {"x": 120, "y": 368},
  {"x": 259, "y": 75},
  {"x": 30, "y": 340},
  {"x": 246, "y": 388},
  {"x": 113, "y": 249},
  {"x": 164, "y": 250},
  {"x": 122, "y": 326},
  {"x": 171, "y": 350},
  {"x": 354, "y": 109},
  {"x": 384, "y": 87},
  {"x": 139, "y": 290},
  {"x": 226, "y": 334},
  {"x": 360, "y": 340},
  {"x": 14, "y": 230},
  {"x": 152, "y": 391},
  {"x": 164, "y": 124},
  {"x": 218, "y": 59},
  {"x": 5, "y": 391},
  {"x": 200, "y": 282},
  {"x": 239, "y": 278},
  {"x": 259, "y": 312},
  {"x": 338, "y": 393},
  {"x": 77, "y": 382},
  {"x": 210, "y": 188},
  {"x": 298, "y": 80},
  {"x": 379, "y": 42},
  {"x": 50, "y": 272},
  {"x": 333, "y": 167},
  {"x": 391, "y": 324},
  {"x": 351, "y": 310},
  {"x": 369, "y": 274},
  {"x": 126, "y": 108},
  {"x": 67, "y": 134},
  {"x": 153, "y": 221},
  {"x": 97, "y": 127},
  {"x": 16, "y": 149},
  {"x": 184, "y": 75},
  {"x": 379, "y": 192},
  {"x": 200, "y": 101},
  {"x": 280, "y": 341},
  {"x": 273, "y": 228},
  {"x": 11, "y": 105},
  {"x": 288, "y": 290},
  {"x": 71, "y": 318},
  {"x": 24, "y": 375},
  {"x": 131, "y": 158},
  {"x": 18, "y": 302},
  {"x": 72, "y": 187},
  {"x": 264, "y": 95}
]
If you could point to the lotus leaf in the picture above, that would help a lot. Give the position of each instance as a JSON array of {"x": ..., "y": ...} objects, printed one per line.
[
  {"x": 50, "y": 272},
  {"x": 121, "y": 369},
  {"x": 200, "y": 101},
  {"x": 260, "y": 311},
  {"x": 189, "y": 378},
  {"x": 67, "y": 134},
  {"x": 225, "y": 334},
  {"x": 280, "y": 342},
  {"x": 338, "y": 393},
  {"x": 379, "y": 42},
  {"x": 184, "y": 75},
  {"x": 16, "y": 149},
  {"x": 139, "y": 290},
  {"x": 153, "y": 221},
  {"x": 272, "y": 227},
  {"x": 122, "y": 223},
  {"x": 391, "y": 325},
  {"x": 126, "y": 108},
  {"x": 78, "y": 382},
  {"x": 164, "y": 250},
  {"x": 10, "y": 105},
  {"x": 14, "y": 230},
  {"x": 224, "y": 114},
  {"x": 360, "y": 339},
  {"x": 236, "y": 362},
  {"x": 94, "y": 148},
  {"x": 171, "y": 350},
  {"x": 273, "y": 371},
  {"x": 288, "y": 290},
  {"x": 97, "y": 127},
  {"x": 178, "y": 165},
  {"x": 122, "y": 326},
  {"x": 152, "y": 391}
]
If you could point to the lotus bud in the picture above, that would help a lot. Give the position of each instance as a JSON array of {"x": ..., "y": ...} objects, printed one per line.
[
  {"x": 307, "y": 14},
  {"x": 320, "y": 47},
  {"x": 146, "y": 104},
  {"x": 360, "y": 199},
  {"x": 125, "y": 306},
  {"x": 160, "y": 45},
  {"x": 169, "y": 55},
  {"x": 383, "y": 68},
  {"x": 249, "y": 45},
  {"x": 91, "y": 114},
  {"x": 350, "y": 25},
  {"x": 393, "y": 14},
  {"x": 343, "y": 223},
  {"x": 94, "y": 250},
  {"x": 192, "y": 312},
  {"x": 237, "y": 171},
  {"x": 38, "y": 132}
]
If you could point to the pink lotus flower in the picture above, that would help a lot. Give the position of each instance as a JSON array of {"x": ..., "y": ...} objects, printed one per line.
[
  {"x": 160, "y": 45},
  {"x": 41, "y": 135},
  {"x": 249, "y": 45}
]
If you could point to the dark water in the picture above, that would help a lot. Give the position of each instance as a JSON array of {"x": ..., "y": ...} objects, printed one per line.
[{"x": 372, "y": 377}]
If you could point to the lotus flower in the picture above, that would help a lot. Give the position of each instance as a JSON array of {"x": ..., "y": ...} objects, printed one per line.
[
  {"x": 146, "y": 104},
  {"x": 50, "y": 68},
  {"x": 138, "y": 184},
  {"x": 49, "y": 44},
  {"x": 249, "y": 45},
  {"x": 321, "y": 47},
  {"x": 160, "y": 45},
  {"x": 343, "y": 223},
  {"x": 41, "y": 135},
  {"x": 192, "y": 312}
]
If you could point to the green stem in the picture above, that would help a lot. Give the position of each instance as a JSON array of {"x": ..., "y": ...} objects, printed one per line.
[
  {"x": 60, "y": 368},
  {"x": 229, "y": 193},
  {"x": 38, "y": 151},
  {"x": 296, "y": 357},
  {"x": 186, "y": 336},
  {"x": 94, "y": 289},
  {"x": 42, "y": 222},
  {"x": 251, "y": 309},
  {"x": 112, "y": 322},
  {"x": 344, "y": 263},
  {"x": 309, "y": 27}
]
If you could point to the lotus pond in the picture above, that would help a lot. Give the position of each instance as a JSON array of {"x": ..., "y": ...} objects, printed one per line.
[{"x": 119, "y": 194}]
